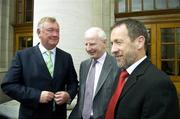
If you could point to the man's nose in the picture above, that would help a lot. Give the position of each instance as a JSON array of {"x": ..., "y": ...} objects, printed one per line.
[
  {"x": 55, "y": 33},
  {"x": 114, "y": 48},
  {"x": 88, "y": 47}
]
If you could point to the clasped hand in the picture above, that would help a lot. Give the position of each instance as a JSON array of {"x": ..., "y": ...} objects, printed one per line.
[{"x": 60, "y": 97}]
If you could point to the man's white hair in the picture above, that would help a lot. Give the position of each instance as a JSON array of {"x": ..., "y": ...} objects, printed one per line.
[{"x": 101, "y": 34}]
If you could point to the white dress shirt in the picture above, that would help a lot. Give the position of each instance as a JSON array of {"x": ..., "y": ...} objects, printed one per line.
[
  {"x": 133, "y": 66},
  {"x": 44, "y": 54}
]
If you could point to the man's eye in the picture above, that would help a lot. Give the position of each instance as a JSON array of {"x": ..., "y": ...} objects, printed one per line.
[
  {"x": 50, "y": 30},
  {"x": 118, "y": 42}
]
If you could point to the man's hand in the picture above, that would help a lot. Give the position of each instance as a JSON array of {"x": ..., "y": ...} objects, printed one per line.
[
  {"x": 61, "y": 97},
  {"x": 46, "y": 96}
]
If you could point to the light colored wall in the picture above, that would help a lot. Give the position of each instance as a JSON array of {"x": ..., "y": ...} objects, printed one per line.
[
  {"x": 75, "y": 17},
  {"x": 103, "y": 16}
]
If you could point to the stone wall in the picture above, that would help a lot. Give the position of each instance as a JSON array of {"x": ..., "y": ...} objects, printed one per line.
[{"x": 7, "y": 8}]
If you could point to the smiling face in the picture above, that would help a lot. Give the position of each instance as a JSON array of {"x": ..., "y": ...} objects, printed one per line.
[
  {"x": 49, "y": 34},
  {"x": 125, "y": 50},
  {"x": 94, "y": 45}
]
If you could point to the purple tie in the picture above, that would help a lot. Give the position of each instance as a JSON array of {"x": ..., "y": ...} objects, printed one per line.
[{"x": 88, "y": 98}]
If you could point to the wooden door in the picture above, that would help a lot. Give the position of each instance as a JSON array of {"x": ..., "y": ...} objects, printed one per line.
[{"x": 164, "y": 49}]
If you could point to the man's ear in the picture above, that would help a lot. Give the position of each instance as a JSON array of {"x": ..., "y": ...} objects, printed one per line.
[
  {"x": 140, "y": 41},
  {"x": 38, "y": 31}
]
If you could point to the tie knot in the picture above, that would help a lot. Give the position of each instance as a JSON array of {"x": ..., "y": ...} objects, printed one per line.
[
  {"x": 124, "y": 74},
  {"x": 94, "y": 62},
  {"x": 48, "y": 52}
]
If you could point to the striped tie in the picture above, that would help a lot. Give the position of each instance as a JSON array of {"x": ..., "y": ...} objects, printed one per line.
[{"x": 49, "y": 62}]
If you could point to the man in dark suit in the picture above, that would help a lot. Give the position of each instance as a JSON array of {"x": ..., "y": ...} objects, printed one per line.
[
  {"x": 42, "y": 89},
  {"x": 148, "y": 93},
  {"x": 106, "y": 67}
]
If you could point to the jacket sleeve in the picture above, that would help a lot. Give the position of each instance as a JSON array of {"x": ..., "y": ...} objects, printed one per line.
[
  {"x": 72, "y": 82},
  {"x": 13, "y": 84}
]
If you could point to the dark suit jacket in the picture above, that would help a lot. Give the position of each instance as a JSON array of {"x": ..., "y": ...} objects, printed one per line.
[
  {"x": 147, "y": 94},
  {"x": 28, "y": 76},
  {"x": 103, "y": 91}
]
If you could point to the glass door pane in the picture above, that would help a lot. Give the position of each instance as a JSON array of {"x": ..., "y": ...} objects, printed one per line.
[
  {"x": 28, "y": 10},
  {"x": 161, "y": 4},
  {"x": 20, "y": 10},
  {"x": 168, "y": 67},
  {"x": 173, "y": 4},
  {"x": 136, "y": 5},
  {"x": 167, "y": 35},
  {"x": 25, "y": 42},
  {"x": 148, "y": 5},
  {"x": 121, "y": 6},
  {"x": 178, "y": 35},
  {"x": 168, "y": 50}
]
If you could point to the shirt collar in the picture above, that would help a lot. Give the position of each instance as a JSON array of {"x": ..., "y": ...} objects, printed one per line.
[
  {"x": 133, "y": 66},
  {"x": 43, "y": 49},
  {"x": 102, "y": 58}
]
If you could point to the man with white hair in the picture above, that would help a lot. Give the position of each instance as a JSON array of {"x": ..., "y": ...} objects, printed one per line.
[{"x": 95, "y": 90}]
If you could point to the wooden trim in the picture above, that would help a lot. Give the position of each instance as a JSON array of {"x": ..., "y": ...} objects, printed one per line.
[
  {"x": 129, "y": 5},
  {"x": 175, "y": 18},
  {"x": 159, "y": 26},
  {"x": 25, "y": 24},
  {"x": 142, "y": 5},
  {"x": 147, "y": 13},
  {"x": 152, "y": 27},
  {"x": 23, "y": 28},
  {"x": 116, "y": 10}
]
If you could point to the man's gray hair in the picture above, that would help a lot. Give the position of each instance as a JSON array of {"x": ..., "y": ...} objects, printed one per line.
[
  {"x": 101, "y": 34},
  {"x": 46, "y": 19}
]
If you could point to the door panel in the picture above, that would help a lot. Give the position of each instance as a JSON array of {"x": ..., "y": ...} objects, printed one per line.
[
  {"x": 168, "y": 49},
  {"x": 164, "y": 49}
]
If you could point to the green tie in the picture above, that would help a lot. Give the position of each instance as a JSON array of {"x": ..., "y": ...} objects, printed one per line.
[{"x": 49, "y": 62}]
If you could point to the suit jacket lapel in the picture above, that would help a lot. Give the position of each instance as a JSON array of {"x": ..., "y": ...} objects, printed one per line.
[
  {"x": 86, "y": 70},
  {"x": 104, "y": 73},
  {"x": 40, "y": 60},
  {"x": 139, "y": 70},
  {"x": 84, "y": 73},
  {"x": 57, "y": 63}
]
